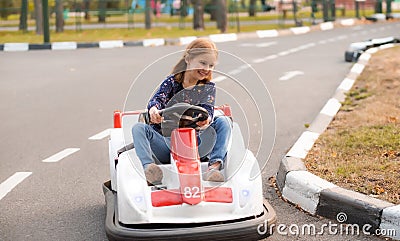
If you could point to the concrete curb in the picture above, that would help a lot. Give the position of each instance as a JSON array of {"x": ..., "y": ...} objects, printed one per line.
[
  {"x": 19, "y": 47},
  {"x": 320, "y": 197}
]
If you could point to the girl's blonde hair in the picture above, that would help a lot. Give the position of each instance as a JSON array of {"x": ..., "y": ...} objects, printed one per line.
[{"x": 196, "y": 47}]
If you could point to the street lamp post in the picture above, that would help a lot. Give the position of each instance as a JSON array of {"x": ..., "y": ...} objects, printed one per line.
[
  {"x": 237, "y": 15},
  {"x": 378, "y": 6},
  {"x": 388, "y": 7},
  {"x": 23, "y": 23},
  {"x": 46, "y": 31},
  {"x": 357, "y": 3},
  {"x": 314, "y": 9}
]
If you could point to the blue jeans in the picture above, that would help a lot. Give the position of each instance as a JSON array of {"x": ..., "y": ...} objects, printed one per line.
[{"x": 212, "y": 142}]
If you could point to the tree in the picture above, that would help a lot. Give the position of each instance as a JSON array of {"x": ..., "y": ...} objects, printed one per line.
[
  {"x": 183, "y": 10},
  {"x": 86, "y": 6},
  {"x": 198, "y": 15},
  {"x": 39, "y": 16},
  {"x": 102, "y": 5},
  {"x": 5, "y": 6},
  {"x": 59, "y": 16},
  {"x": 221, "y": 15},
  {"x": 147, "y": 14},
  {"x": 252, "y": 8}
]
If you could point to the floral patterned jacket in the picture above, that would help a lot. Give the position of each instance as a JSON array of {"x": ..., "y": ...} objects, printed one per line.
[{"x": 171, "y": 92}]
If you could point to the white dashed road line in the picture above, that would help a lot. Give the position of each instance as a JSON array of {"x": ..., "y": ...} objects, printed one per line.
[
  {"x": 12, "y": 182},
  {"x": 267, "y": 44},
  {"x": 61, "y": 155},
  {"x": 219, "y": 78},
  {"x": 258, "y": 45},
  {"x": 100, "y": 135},
  {"x": 291, "y": 74},
  {"x": 283, "y": 53}
]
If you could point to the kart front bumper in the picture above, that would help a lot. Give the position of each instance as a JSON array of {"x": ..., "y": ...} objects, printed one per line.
[{"x": 253, "y": 228}]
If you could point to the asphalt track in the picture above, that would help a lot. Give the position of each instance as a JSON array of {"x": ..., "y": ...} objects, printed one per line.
[{"x": 61, "y": 101}]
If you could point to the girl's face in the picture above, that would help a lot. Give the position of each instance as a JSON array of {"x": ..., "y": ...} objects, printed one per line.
[{"x": 201, "y": 65}]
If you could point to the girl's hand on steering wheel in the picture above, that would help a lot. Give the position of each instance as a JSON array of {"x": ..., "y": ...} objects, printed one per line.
[
  {"x": 203, "y": 124},
  {"x": 155, "y": 116}
]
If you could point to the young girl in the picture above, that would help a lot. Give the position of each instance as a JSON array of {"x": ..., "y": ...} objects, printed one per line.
[{"x": 190, "y": 82}]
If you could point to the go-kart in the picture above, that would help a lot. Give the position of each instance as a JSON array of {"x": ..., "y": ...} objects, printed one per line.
[
  {"x": 184, "y": 206},
  {"x": 355, "y": 50}
]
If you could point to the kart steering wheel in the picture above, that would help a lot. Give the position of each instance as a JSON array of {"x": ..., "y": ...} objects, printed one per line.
[{"x": 181, "y": 115}]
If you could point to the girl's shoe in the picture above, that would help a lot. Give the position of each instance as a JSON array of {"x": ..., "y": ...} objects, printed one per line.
[
  {"x": 153, "y": 174},
  {"x": 214, "y": 174}
]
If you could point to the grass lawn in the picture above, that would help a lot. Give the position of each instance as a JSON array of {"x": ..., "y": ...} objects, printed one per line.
[
  {"x": 155, "y": 32},
  {"x": 361, "y": 148},
  {"x": 122, "y": 34}
]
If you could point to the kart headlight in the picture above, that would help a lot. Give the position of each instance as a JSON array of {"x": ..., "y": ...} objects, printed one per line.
[
  {"x": 140, "y": 202},
  {"x": 138, "y": 199},
  {"x": 244, "y": 197}
]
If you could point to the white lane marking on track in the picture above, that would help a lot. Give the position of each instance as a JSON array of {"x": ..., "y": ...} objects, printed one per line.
[
  {"x": 257, "y": 61},
  {"x": 235, "y": 71},
  {"x": 239, "y": 69},
  {"x": 100, "y": 135},
  {"x": 290, "y": 74},
  {"x": 293, "y": 50},
  {"x": 258, "y": 45},
  {"x": 260, "y": 60},
  {"x": 283, "y": 53},
  {"x": 306, "y": 46},
  {"x": 219, "y": 78},
  {"x": 245, "y": 66},
  {"x": 274, "y": 56},
  {"x": 60, "y": 155},
  {"x": 12, "y": 182},
  {"x": 267, "y": 44}
]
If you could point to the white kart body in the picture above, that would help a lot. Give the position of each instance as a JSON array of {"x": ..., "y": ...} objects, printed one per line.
[{"x": 129, "y": 198}]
